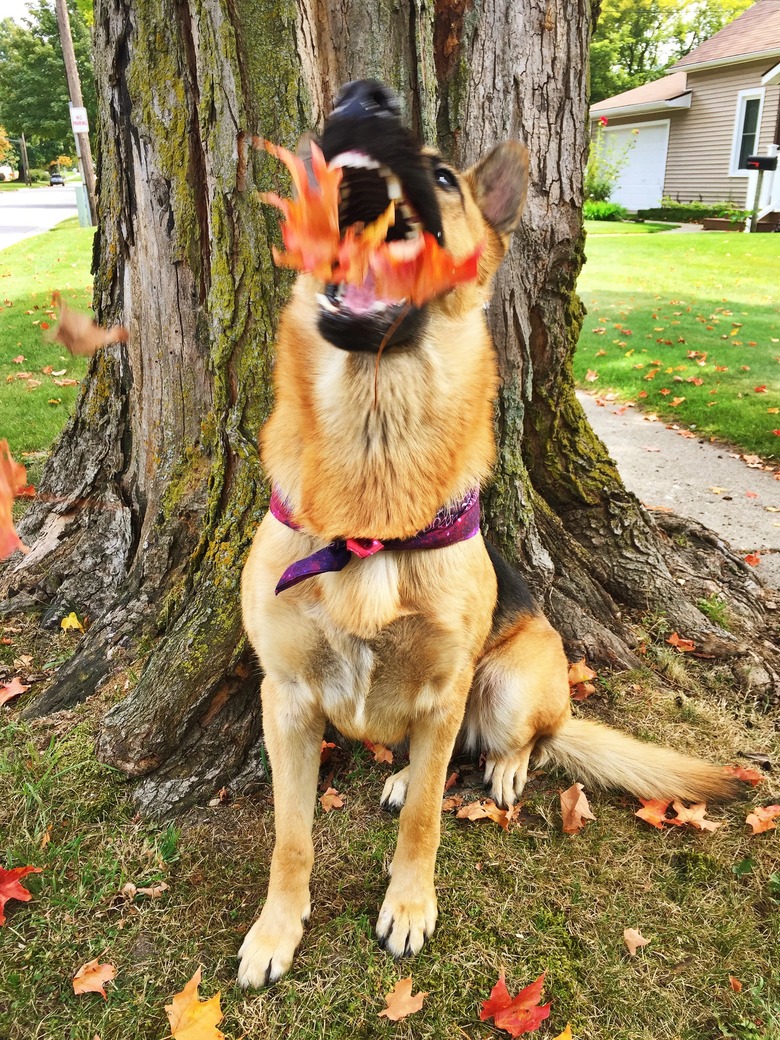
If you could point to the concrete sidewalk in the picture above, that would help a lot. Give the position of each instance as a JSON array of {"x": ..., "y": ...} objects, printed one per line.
[{"x": 703, "y": 481}]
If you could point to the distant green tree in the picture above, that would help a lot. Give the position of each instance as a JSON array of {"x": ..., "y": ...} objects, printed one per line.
[
  {"x": 637, "y": 40},
  {"x": 33, "y": 88}
]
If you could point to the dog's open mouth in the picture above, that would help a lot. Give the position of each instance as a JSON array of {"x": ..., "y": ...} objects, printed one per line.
[{"x": 367, "y": 223}]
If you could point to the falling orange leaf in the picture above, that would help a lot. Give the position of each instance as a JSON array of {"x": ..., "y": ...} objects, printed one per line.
[
  {"x": 90, "y": 977},
  {"x": 761, "y": 819},
  {"x": 331, "y": 800},
  {"x": 575, "y": 809},
  {"x": 633, "y": 940},
  {"x": 10, "y": 888},
  {"x": 80, "y": 334},
  {"x": 400, "y": 1002},
  {"x": 13, "y": 478},
  {"x": 191, "y": 1018}
]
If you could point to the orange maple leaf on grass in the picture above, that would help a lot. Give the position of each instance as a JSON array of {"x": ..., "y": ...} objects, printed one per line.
[
  {"x": 191, "y": 1018},
  {"x": 10, "y": 690},
  {"x": 10, "y": 888},
  {"x": 91, "y": 977},
  {"x": 761, "y": 819},
  {"x": 518, "y": 1015},
  {"x": 575, "y": 809},
  {"x": 579, "y": 676},
  {"x": 400, "y": 1002},
  {"x": 654, "y": 811}
]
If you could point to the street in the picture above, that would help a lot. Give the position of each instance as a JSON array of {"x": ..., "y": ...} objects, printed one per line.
[{"x": 28, "y": 211}]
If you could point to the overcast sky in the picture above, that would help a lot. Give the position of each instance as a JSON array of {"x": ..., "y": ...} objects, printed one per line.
[{"x": 13, "y": 9}]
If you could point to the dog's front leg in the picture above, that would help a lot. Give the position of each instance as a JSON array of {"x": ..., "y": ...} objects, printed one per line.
[
  {"x": 293, "y": 731},
  {"x": 408, "y": 914}
]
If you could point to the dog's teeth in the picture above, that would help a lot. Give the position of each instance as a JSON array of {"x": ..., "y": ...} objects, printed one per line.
[
  {"x": 393, "y": 185},
  {"x": 355, "y": 160}
]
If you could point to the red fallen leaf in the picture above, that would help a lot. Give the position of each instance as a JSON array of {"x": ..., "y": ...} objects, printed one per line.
[
  {"x": 664, "y": 392},
  {"x": 12, "y": 689},
  {"x": 91, "y": 976},
  {"x": 331, "y": 800},
  {"x": 760, "y": 389},
  {"x": 516, "y": 1016},
  {"x": 683, "y": 645},
  {"x": 191, "y": 1018},
  {"x": 11, "y": 889},
  {"x": 379, "y": 751},
  {"x": 13, "y": 477},
  {"x": 574, "y": 809},
  {"x": 579, "y": 672},
  {"x": 642, "y": 393},
  {"x": 750, "y": 776},
  {"x": 400, "y": 1002},
  {"x": 735, "y": 984},
  {"x": 452, "y": 779},
  {"x": 762, "y": 818},
  {"x": 753, "y": 559},
  {"x": 79, "y": 333},
  {"x": 633, "y": 940},
  {"x": 581, "y": 691},
  {"x": 413, "y": 270},
  {"x": 18, "y": 360},
  {"x": 44, "y": 325},
  {"x": 653, "y": 811}
]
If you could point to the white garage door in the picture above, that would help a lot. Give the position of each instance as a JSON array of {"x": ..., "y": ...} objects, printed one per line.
[{"x": 641, "y": 181}]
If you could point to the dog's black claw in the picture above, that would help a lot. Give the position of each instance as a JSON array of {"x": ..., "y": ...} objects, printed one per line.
[
  {"x": 389, "y": 807},
  {"x": 267, "y": 976}
]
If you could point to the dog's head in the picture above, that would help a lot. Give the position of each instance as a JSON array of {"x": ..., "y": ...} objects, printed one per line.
[{"x": 465, "y": 212}]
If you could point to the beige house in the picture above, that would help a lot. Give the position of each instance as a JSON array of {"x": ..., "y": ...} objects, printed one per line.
[{"x": 698, "y": 124}]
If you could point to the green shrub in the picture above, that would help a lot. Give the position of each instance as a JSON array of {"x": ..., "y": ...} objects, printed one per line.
[
  {"x": 599, "y": 210},
  {"x": 39, "y": 176},
  {"x": 692, "y": 212}
]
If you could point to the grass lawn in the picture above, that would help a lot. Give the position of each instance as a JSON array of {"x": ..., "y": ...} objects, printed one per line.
[
  {"x": 625, "y": 227},
  {"x": 687, "y": 326},
  {"x": 34, "y": 407}
]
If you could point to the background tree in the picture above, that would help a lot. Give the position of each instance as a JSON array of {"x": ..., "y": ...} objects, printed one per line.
[
  {"x": 637, "y": 40},
  {"x": 33, "y": 88},
  {"x": 6, "y": 148},
  {"x": 152, "y": 494}
]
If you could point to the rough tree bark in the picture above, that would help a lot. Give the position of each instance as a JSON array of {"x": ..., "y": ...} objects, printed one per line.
[{"x": 152, "y": 493}]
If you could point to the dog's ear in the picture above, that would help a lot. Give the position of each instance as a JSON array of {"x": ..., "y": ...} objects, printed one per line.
[{"x": 500, "y": 184}]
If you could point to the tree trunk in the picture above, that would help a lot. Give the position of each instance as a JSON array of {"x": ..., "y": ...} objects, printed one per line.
[{"x": 151, "y": 496}]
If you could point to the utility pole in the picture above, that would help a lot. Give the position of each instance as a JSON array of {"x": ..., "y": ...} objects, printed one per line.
[{"x": 74, "y": 89}]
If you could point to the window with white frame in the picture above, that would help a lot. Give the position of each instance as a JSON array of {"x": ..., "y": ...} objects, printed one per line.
[{"x": 747, "y": 124}]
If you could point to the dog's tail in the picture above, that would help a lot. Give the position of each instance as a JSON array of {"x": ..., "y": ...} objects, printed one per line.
[{"x": 598, "y": 756}]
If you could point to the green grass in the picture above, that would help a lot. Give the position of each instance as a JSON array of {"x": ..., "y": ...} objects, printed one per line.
[
  {"x": 531, "y": 900},
  {"x": 625, "y": 227},
  {"x": 654, "y": 301},
  {"x": 32, "y": 416}
]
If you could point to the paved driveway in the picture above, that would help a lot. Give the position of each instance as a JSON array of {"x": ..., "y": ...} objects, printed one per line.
[{"x": 28, "y": 211}]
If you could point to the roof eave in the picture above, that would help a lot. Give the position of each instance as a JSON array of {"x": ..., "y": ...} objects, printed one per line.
[
  {"x": 734, "y": 59},
  {"x": 646, "y": 108},
  {"x": 771, "y": 78}
]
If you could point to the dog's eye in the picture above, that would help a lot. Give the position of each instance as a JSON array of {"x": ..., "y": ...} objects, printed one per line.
[{"x": 444, "y": 178}]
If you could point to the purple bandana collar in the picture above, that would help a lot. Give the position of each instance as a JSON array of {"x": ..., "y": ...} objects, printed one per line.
[{"x": 451, "y": 524}]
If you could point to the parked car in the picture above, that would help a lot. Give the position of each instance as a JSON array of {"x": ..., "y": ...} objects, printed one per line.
[{"x": 56, "y": 178}]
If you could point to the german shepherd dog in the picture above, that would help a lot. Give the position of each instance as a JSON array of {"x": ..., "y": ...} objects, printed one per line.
[{"x": 434, "y": 645}]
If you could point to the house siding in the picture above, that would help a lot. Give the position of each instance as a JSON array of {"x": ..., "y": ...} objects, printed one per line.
[{"x": 701, "y": 137}]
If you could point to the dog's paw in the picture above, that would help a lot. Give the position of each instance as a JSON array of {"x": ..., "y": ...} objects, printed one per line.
[
  {"x": 406, "y": 920},
  {"x": 506, "y": 776},
  {"x": 268, "y": 949},
  {"x": 394, "y": 791}
]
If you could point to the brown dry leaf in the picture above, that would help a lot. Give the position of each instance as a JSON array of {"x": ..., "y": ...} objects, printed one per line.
[
  {"x": 326, "y": 750},
  {"x": 761, "y": 819},
  {"x": 80, "y": 334},
  {"x": 694, "y": 816},
  {"x": 153, "y": 891},
  {"x": 484, "y": 810},
  {"x": 193, "y": 1019},
  {"x": 400, "y": 1001},
  {"x": 582, "y": 690},
  {"x": 580, "y": 673},
  {"x": 331, "y": 800},
  {"x": 453, "y": 802},
  {"x": 735, "y": 984},
  {"x": 683, "y": 645},
  {"x": 575, "y": 809},
  {"x": 452, "y": 779},
  {"x": 91, "y": 976},
  {"x": 633, "y": 940},
  {"x": 379, "y": 751}
]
